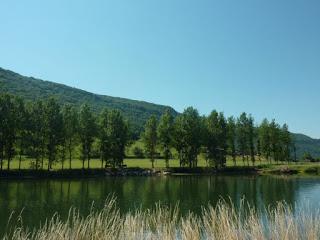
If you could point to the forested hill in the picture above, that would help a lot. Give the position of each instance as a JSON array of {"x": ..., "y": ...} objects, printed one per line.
[
  {"x": 307, "y": 144},
  {"x": 137, "y": 112},
  {"x": 30, "y": 88}
]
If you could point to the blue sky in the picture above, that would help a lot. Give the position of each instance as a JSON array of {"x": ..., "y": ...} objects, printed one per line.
[{"x": 262, "y": 57}]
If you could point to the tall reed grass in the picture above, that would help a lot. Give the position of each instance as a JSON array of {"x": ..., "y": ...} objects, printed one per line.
[{"x": 222, "y": 221}]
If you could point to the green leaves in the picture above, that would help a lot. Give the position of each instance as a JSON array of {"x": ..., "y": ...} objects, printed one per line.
[
  {"x": 165, "y": 135},
  {"x": 114, "y": 136},
  {"x": 87, "y": 132},
  {"x": 188, "y": 136},
  {"x": 216, "y": 139},
  {"x": 150, "y": 138}
]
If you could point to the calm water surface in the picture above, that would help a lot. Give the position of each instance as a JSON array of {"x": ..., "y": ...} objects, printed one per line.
[{"x": 39, "y": 199}]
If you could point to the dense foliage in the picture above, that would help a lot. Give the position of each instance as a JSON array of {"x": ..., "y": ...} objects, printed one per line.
[
  {"x": 217, "y": 137},
  {"x": 44, "y": 130},
  {"x": 28, "y": 88},
  {"x": 137, "y": 112}
]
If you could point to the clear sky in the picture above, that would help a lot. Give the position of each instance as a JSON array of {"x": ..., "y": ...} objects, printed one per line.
[{"x": 258, "y": 56}]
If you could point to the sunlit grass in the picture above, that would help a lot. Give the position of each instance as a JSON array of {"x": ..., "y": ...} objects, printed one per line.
[
  {"x": 216, "y": 222},
  {"x": 160, "y": 164}
]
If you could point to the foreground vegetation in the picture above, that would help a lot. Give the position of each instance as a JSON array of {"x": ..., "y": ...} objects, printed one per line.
[{"x": 223, "y": 221}]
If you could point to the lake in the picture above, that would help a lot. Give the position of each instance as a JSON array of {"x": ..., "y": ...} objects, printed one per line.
[{"x": 39, "y": 199}]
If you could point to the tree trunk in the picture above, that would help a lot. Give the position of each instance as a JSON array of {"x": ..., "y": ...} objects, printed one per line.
[
  {"x": 37, "y": 159},
  {"x": 88, "y": 161},
  {"x": 20, "y": 161},
  {"x": 49, "y": 163},
  {"x": 8, "y": 163},
  {"x": 41, "y": 161},
  {"x": 70, "y": 157}
]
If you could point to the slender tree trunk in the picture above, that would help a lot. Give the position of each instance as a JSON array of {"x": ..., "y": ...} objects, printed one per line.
[
  {"x": 49, "y": 163},
  {"x": 37, "y": 160},
  {"x": 20, "y": 161},
  {"x": 101, "y": 163},
  {"x": 152, "y": 161},
  {"x": 9, "y": 163},
  {"x": 70, "y": 156},
  {"x": 42, "y": 155}
]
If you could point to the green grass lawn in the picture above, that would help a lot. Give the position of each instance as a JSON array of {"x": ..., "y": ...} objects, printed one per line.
[{"x": 160, "y": 163}]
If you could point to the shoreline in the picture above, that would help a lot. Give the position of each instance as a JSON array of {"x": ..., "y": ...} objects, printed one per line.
[{"x": 148, "y": 172}]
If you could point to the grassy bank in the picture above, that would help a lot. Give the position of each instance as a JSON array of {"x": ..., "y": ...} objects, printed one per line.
[
  {"x": 262, "y": 167},
  {"x": 220, "y": 222}
]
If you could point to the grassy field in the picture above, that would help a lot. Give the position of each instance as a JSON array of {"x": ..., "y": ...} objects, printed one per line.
[
  {"x": 220, "y": 222},
  {"x": 265, "y": 166}
]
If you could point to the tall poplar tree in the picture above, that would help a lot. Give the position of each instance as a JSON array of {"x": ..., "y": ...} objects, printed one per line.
[
  {"x": 71, "y": 125},
  {"x": 104, "y": 138},
  {"x": 165, "y": 132},
  {"x": 119, "y": 136},
  {"x": 188, "y": 137},
  {"x": 242, "y": 132},
  {"x": 265, "y": 139},
  {"x": 54, "y": 129},
  {"x": 150, "y": 138},
  {"x": 216, "y": 139},
  {"x": 87, "y": 131},
  {"x": 23, "y": 119},
  {"x": 251, "y": 138},
  {"x": 232, "y": 138}
]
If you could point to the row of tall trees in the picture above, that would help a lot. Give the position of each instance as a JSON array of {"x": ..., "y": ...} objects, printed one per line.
[
  {"x": 48, "y": 133},
  {"x": 216, "y": 136},
  {"x": 44, "y": 131}
]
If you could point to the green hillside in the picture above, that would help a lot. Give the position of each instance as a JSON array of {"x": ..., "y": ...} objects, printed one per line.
[
  {"x": 307, "y": 144},
  {"x": 137, "y": 112}
]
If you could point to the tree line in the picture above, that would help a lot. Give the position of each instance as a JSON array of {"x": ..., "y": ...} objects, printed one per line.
[
  {"x": 217, "y": 137},
  {"x": 44, "y": 131},
  {"x": 47, "y": 132}
]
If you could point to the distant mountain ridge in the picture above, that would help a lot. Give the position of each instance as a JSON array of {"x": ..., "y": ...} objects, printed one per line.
[
  {"x": 29, "y": 88},
  {"x": 137, "y": 112}
]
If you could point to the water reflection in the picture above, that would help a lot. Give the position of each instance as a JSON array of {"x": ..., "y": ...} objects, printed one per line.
[{"x": 42, "y": 198}]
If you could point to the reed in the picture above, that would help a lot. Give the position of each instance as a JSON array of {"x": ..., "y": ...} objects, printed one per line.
[{"x": 222, "y": 221}]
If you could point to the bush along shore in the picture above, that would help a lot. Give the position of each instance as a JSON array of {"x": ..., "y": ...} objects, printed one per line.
[{"x": 223, "y": 221}]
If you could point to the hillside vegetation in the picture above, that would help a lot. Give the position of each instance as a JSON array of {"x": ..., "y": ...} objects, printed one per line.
[
  {"x": 137, "y": 112},
  {"x": 306, "y": 144},
  {"x": 29, "y": 88}
]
